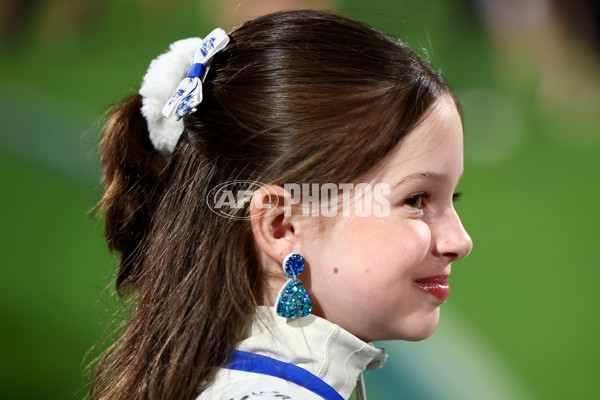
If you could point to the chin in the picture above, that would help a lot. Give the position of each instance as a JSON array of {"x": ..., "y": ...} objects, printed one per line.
[
  {"x": 420, "y": 329},
  {"x": 418, "y": 336}
]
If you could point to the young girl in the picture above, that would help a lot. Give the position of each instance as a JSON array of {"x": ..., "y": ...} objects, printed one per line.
[{"x": 280, "y": 196}]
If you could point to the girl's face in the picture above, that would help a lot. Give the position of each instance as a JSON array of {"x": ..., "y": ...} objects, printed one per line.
[{"x": 384, "y": 277}]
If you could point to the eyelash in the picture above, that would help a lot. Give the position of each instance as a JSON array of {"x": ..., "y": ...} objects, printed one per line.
[{"x": 416, "y": 201}]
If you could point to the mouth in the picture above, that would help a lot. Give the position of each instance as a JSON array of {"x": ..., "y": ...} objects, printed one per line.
[{"x": 437, "y": 286}]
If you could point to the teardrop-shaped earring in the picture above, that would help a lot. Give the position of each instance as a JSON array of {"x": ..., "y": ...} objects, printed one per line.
[{"x": 293, "y": 300}]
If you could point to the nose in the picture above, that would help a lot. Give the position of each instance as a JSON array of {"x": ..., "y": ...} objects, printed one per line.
[{"x": 452, "y": 239}]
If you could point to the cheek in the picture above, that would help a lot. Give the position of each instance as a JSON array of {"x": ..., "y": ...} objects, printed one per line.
[
  {"x": 414, "y": 242},
  {"x": 384, "y": 245}
]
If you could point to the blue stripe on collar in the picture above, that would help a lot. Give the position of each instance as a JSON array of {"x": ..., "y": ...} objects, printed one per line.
[{"x": 250, "y": 362}]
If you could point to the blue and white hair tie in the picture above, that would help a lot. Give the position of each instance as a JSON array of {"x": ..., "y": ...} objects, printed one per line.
[{"x": 166, "y": 98}]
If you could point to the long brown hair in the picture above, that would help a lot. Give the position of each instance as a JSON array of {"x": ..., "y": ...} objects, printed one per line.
[{"x": 298, "y": 96}]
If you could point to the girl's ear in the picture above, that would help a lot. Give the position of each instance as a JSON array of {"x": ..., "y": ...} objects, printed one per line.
[{"x": 272, "y": 222}]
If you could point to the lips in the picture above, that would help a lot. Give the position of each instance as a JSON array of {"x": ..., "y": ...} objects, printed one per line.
[{"x": 437, "y": 286}]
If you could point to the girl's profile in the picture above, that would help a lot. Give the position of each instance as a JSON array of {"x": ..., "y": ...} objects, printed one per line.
[{"x": 229, "y": 301}]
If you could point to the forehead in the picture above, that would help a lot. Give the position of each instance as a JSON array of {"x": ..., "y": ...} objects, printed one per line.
[{"x": 434, "y": 147}]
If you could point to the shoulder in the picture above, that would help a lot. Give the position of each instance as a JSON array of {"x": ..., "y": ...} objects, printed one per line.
[{"x": 241, "y": 385}]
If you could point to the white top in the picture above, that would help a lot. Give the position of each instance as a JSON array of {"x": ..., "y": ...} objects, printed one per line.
[{"x": 315, "y": 344}]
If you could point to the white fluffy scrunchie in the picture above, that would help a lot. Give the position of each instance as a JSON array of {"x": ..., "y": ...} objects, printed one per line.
[
  {"x": 163, "y": 75},
  {"x": 172, "y": 86}
]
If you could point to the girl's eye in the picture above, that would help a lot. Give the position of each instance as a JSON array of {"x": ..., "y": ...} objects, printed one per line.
[
  {"x": 417, "y": 200},
  {"x": 456, "y": 196}
]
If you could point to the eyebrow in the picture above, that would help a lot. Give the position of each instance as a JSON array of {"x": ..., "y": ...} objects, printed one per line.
[{"x": 436, "y": 176}]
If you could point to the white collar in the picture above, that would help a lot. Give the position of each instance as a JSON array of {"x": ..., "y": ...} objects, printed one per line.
[{"x": 315, "y": 344}]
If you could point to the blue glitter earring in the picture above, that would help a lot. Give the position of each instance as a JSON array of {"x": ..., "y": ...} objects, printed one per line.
[{"x": 293, "y": 300}]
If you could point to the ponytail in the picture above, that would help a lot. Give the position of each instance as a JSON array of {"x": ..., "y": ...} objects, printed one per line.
[
  {"x": 131, "y": 170},
  {"x": 192, "y": 298}
]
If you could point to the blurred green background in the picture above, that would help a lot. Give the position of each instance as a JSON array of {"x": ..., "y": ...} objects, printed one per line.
[{"x": 522, "y": 321}]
